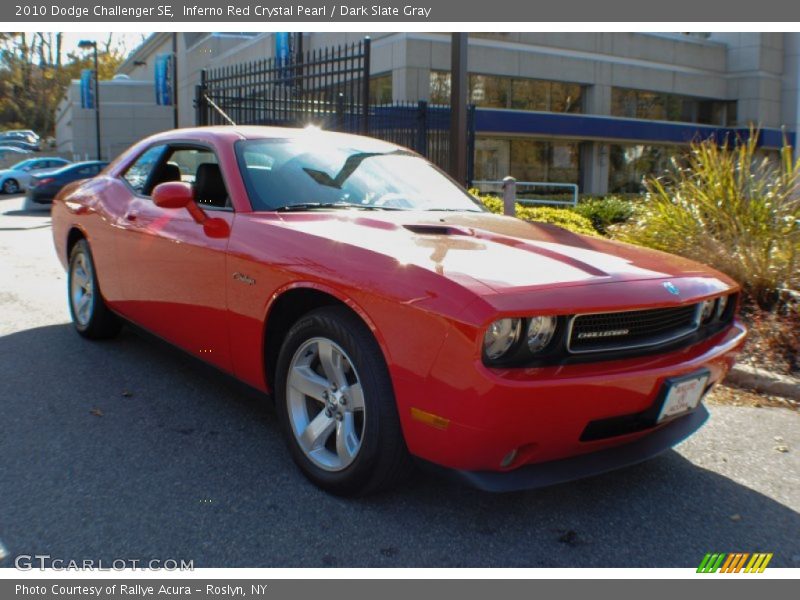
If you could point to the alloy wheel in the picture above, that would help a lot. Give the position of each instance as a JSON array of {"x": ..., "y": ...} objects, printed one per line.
[
  {"x": 82, "y": 289},
  {"x": 325, "y": 403}
]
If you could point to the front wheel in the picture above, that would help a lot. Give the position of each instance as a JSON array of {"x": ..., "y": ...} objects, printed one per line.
[
  {"x": 336, "y": 404},
  {"x": 10, "y": 186},
  {"x": 90, "y": 315}
]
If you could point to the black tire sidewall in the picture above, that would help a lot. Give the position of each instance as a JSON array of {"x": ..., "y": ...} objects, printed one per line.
[
  {"x": 102, "y": 323},
  {"x": 356, "y": 340}
]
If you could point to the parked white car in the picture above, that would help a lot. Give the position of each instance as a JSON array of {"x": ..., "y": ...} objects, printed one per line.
[{"x": 16, "y": 178}]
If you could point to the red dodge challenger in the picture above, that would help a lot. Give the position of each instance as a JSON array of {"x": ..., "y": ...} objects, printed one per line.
[{"x": 389, "y": 315}]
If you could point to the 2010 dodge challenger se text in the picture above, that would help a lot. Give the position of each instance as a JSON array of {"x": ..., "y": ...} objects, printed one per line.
[{"x": 389, "y": 315}]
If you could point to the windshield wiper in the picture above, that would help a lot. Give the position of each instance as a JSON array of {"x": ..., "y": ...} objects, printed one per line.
[{"x": 325, "y": 205}]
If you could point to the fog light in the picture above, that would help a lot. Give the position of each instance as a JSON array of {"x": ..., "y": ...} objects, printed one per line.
[{"x": 508, "y": 458}]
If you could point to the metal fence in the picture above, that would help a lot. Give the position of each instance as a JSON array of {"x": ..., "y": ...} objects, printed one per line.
[
  {"x": 321, "y": 86},
  {"x": 329, "y": 88},
  {"x": 533, "y": 192},
  {"x": 423, "y": 127}
]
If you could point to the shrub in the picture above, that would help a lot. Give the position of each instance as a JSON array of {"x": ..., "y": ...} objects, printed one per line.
[
  {"x": 728, "y": 206},
  {"x": 604, "y": 212},
  {"x": 542, "y": 214}
]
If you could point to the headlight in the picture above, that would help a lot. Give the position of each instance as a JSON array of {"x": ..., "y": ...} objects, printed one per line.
[
  {"x": 722, "y": 306},
  {"x": 540, "y": 332},
  {"x": 707, "y": 311},
  {"x": 500, "y": 337}
]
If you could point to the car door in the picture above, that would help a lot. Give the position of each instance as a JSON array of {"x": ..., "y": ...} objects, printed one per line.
[{"x": 173, "y": 272}]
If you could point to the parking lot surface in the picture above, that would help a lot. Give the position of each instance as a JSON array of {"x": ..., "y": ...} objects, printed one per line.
[{"x": 130, "y": 450}]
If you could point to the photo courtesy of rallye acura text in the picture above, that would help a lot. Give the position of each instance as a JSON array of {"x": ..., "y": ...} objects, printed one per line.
[{"x": 388, "y": 315}]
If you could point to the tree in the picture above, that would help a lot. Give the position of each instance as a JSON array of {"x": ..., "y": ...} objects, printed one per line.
[{"x": 34, "y": 74}]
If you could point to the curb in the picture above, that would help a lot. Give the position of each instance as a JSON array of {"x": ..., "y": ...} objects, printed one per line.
[{"x": 765, "y": 382}]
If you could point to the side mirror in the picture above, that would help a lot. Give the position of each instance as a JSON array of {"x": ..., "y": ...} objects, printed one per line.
[
  {"x": 173, "y": 194},
  {"x": 177, "y": 194}
]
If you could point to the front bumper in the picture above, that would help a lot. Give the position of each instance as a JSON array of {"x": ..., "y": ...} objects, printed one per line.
[
  {"x": 587, "y": 465},
  {"x": 545, "y": 414}
]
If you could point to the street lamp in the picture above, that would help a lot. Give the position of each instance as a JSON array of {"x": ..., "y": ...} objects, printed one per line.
[{"x": 85, "y": 45}]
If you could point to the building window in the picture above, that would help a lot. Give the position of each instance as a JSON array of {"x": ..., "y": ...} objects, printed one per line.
[
  {"x": 630, "y": 164},
  {"x": 491, "y": 91},
  {"x": 380, "y": 89},
  {"x": 526, "y": 160},
  {"x": 440, "y": 87},
  {"x": 641, "y": 104}
]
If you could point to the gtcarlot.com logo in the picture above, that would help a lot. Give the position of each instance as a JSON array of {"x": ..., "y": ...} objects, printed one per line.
[
  {"x": 734, "y": 562},
  {"x": 27, "y": 562}
]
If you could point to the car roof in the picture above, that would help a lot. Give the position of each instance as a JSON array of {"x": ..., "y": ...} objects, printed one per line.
[
  {"x": 77, "y": 165},
  {"x": 258, "y": 132}
]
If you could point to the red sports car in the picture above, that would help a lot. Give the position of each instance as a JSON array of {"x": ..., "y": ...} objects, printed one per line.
[{"x": 389, "y": 315}]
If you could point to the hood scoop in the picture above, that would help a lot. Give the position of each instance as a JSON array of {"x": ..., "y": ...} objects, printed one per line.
[{"x": 443, "y": 229}]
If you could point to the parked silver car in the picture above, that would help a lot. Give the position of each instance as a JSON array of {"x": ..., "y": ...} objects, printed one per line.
[{"x": 16, "y": 178}]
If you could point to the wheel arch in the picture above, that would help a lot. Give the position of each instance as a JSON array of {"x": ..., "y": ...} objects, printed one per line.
[
  {"x": 74, "y": 235},
  {"x": 292, "y": 302}
]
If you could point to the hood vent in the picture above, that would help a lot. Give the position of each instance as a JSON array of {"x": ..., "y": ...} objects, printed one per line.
[{"x": 430, "y": 229}]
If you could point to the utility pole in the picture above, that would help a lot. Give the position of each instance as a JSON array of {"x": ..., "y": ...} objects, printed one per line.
[
  {"x": 458, "y": 107},
  {"x": 175, "y": 80}
]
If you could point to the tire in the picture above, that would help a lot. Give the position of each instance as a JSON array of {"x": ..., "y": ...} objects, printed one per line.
[
  {"x": 10, "y": 186},
  {"x": 90, "y": 315},
  {"x": 359, "y": 448}
]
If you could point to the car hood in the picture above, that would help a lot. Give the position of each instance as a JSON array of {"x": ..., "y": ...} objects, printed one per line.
[{"x": 494, "y": 253}]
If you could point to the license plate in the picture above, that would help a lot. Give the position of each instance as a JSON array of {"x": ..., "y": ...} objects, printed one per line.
[{"x": 683, "y": 395}]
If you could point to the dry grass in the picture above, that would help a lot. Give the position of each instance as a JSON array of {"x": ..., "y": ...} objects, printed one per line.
[{"x": 730, "y": 396}]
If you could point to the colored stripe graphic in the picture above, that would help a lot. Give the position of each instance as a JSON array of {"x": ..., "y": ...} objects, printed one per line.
[
  {"x": 758, "y": 563},
  {"x": 734, "y": 562},
  {"x": 741, "y": 562}
]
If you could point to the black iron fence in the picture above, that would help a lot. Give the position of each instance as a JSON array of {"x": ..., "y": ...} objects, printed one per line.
[
  {"x": 422, "y": 127},
  {"x": 329, "y": 88},
  {"x": 321, "y": 86}
]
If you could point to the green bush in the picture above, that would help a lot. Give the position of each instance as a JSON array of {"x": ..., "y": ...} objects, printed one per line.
[
  {"x": 542, "y": 214},
  {"x": 731, "y": 207},
  {"x": 607, "y": 211}
]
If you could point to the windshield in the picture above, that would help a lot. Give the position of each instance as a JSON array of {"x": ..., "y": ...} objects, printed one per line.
[{"x": 312, "y": 173}]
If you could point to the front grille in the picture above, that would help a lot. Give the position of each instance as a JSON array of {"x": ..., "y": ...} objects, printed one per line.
[{"x": 607, "y": 332}]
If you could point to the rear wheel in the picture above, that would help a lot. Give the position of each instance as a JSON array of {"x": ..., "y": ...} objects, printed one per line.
[
  {"x": 10, "y": 186},
  {"x": 336, "y": 403},
  {"x": 90, "y": 315}
]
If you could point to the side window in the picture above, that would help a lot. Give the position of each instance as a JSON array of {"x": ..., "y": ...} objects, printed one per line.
[
  {"x": 138, "y": 174},
  {"x": 200, "y": 168}
]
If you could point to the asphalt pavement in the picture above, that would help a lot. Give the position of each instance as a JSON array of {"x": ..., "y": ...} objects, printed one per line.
[{"x": 128, "y": 449}]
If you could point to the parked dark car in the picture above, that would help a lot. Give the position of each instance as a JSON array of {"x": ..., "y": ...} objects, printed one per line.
[{"x": 43, "y": 189}]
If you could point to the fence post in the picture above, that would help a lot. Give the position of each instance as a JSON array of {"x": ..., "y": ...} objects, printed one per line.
[
  {"x": 421, "y": 143},
  {"x": 365, "y": 87},
  {"x": 201, "y": 111},
  {"x": 340, "y": 124},
  {"x": 509, "y": 196},
  {"x": 470, "y": 145}
]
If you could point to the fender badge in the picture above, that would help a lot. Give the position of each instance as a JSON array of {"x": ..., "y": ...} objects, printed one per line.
[
  {"x": 243, "y": 278},
  {"x": 672, "y": 288}
]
